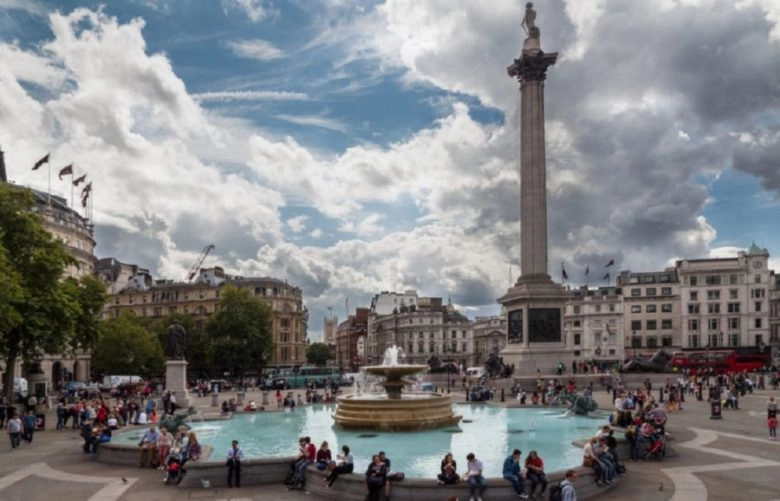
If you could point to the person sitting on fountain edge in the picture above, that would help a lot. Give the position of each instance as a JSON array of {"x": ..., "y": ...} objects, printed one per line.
[{"x": 512, "y": 473}]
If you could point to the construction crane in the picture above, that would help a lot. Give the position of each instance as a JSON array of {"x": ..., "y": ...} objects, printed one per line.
[{"x": 199, "y": 261}]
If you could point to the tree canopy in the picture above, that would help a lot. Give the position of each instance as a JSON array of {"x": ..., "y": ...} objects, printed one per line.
[
  {"x": 40, "y": 311},
  {"x": 125, "y": 346},
  {"x": 318, "y": 353},
  {"x": 240, "y": 333}
]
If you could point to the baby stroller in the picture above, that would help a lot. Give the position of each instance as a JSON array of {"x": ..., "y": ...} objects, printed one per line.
[
  {"x": 652, "y": 445},
  {"x": 174, "y": 468}
]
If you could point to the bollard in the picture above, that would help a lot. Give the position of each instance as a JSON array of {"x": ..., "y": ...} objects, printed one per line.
[
  {"x": 502, "y": 395},
  {"x": 715, "y": 409},
  {"x": 215, "y": 400},
  {"x": 264, "y": 401}
]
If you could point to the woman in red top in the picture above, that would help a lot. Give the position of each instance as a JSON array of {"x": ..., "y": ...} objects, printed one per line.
[{"x": 535, "y": 472}]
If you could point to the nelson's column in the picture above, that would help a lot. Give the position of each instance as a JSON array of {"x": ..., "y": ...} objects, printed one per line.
[{"x": 535, "y": 304}]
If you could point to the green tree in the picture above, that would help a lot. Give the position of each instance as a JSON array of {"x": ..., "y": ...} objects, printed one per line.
[
  {"x": 39, "y": 308},
  {"x": 318, "y": 353},
  {"x": 125, "y": 346},
  {"x": 240, "y": 333}
]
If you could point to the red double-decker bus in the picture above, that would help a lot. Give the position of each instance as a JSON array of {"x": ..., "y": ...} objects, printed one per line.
[{"x": 719, "y": 361}]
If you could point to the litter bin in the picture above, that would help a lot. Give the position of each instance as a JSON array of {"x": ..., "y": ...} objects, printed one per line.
[
  {"x": 715, "y": 409},
  {"x": 241, "y": 396},
  {"x": 215, "y": 400}
]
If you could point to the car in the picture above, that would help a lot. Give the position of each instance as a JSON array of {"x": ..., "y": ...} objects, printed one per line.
[
  {"x": 223, "y": 384},
  {"x": 74, "y": 386}
]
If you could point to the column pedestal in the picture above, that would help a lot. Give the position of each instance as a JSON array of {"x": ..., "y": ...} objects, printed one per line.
[{"x": 176, "y": 381}]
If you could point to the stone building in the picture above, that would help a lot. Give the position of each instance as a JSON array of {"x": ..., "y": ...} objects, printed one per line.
[
  {"x": 725, "y": 301},
  {"x": 144, "y": 297},
  {"x": 593, "y": 324},
  {"x": 651, "y": 310},
  {"x": 77, "y": 234},
  {"x": 489, "y": 337},
  {"x": 349, "y": 336},
  {"x": 423, "y": 327}
]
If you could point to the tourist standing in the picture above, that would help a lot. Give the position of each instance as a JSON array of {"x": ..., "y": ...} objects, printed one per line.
[
  {"x": 772, "y": 424},
  {"x": 29, "y": 426},
  {"x": 512, "y": 473},
  {"x": 477, "y": 484},
  {"x": 234, "y": 457},
  {"x": 568, "y": 493},
  {"x": 771, "y": 407},
  {"x": 344, "y": 464},
  {"x": 375, "y": 477},
  {"x": 14, "y": 430},
  {"x": 164, "y": 443}
]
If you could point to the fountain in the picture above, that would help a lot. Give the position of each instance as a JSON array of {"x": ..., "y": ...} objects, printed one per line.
[{"x": 395, "y": 410}]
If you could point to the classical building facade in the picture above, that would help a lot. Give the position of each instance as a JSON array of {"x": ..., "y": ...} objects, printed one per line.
[
  {"x": 725, "y": 301},
  {"x": 593, "y": 324},
  {"x": 422, "y": 326},
  {"x": 489, "y": 337},
  {"x": 651, "y": 311},
  {"x": 77, "y": 234},
  {"x": 142, "y": 296}
]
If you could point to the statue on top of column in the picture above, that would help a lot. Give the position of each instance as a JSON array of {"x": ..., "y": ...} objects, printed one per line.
[{"x": 529, "y": 21}]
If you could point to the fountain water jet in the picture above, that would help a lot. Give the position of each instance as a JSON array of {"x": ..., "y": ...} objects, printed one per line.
[{"x": 395, "y": 410}]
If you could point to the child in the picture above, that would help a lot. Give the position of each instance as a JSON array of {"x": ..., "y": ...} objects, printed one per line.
[{"x": 772, "y": 423}]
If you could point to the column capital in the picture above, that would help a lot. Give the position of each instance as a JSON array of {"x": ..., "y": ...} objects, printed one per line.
[{"x": 532, "y": 66}]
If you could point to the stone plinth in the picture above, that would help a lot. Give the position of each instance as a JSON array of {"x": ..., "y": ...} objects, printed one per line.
[{"x": 176, "y": 381}]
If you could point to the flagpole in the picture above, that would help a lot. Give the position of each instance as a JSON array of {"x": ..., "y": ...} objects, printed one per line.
[
  {"x": 71, "y": 193},
  {"x": 48, "y": 193}
]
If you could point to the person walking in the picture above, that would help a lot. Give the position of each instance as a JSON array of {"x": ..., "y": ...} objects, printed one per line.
[
  {"x": 29, "y": 426},
  {"x": 772, "y": 424},
  {"x": 234, "y": 457},
  {"x": 477, "y": 484},
  {"x": 14, "y": 430},
  {"x": 568, "y": 492}
]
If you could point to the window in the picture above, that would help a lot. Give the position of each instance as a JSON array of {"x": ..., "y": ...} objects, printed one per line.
[
  {"x": 713, "y": 324},
  {"x": 693, "y": 309},
  {"x": 636, "y": 292},
  {"x": 652, "y": 342},
  {"x": 612, "y": 307},
  {"x": 693, "y": 324},
  {"x": 712, "y": 280},
  {"x": 694, "y": 296},
  {"x": 577, "y": 338},
  {"x": 733, "y": 307},
  {"x": 733, "y": 324},
  {"x": 757, "y": 293},
  {"x": 650, "y": 291},
  {"x": 652, "y": 325},
  {"x": 666, "y": 323},
  {"x": 650, "y": 308},
  {"x": 733, "y": 293},
  {"x": 713, "y": 307},
  {"x": 666, "y": 308},
  {"x": 712, "y": 339},
  {"x": 284, "y": 323},
  {"x": 636, "y": 325},
  {"x": 757, "y": 279},
  {"x": 694, "y": 281},
  {"x": 713, "y": 295},
  {"x": 576, "y": 310},
  {"x": 597, "y": 308},
  {"x": 732, "y": 279},
  {"x": 733, "y": 339},
  {"x": 666, "y": 341},
  {"x": 693, "y": 341},
  {"x": 636, "y": 308},
  {"x": 758, "y": 323},
  {"x": 636, "y": 342},
  {"x": 758, "y": 305},
  {"x": 648, "y": 279},
  {"x": 666, "y": 291},
  {"x": 577, "y": 323}
]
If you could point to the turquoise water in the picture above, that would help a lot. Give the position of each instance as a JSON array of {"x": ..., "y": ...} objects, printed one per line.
[{"x": 490, "y": 432}]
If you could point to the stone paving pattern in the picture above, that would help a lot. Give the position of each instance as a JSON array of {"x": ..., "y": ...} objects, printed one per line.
[{"x": 728, "y": 459}]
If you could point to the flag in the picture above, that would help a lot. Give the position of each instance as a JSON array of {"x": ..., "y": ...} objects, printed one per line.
[
  {"x": 587, "y": 270},
  {"x": 563, "y": 272},
  {"x": 606, "y": 277},
  {"x": 68, "y": 169},
  {"x": 79, "y": 180},
  {"x": 40, "y": 162},
  {"x": 87, "y": 189},
  {"x": 610, "y": 263},
  {"x": 84, "y": 199}
]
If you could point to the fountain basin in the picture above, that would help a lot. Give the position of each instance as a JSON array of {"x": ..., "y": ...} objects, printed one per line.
[{"x": 411, "y": 413}]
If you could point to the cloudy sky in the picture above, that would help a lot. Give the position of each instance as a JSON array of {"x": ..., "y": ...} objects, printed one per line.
[{"x": 353, "y": 147}]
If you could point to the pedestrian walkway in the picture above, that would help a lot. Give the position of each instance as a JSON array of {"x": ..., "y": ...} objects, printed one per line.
[{"x": 716, "y": 460}]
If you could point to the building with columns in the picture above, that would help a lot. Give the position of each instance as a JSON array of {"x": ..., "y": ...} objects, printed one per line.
[
  {"x": 593, "y": 324},
  {"x": 142, "y": 296},
  {"x": 489, "y": 337},
  {"x": 651, "y": 311}
]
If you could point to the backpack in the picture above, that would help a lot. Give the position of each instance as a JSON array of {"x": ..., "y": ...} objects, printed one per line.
[{"x": 556, "y": 492}]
